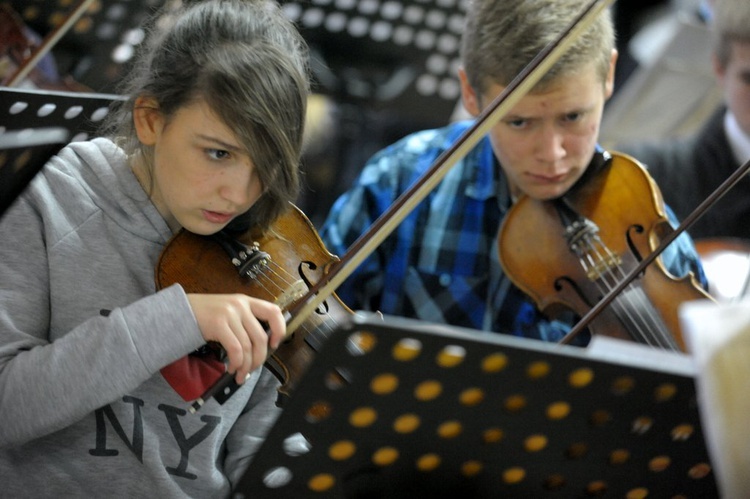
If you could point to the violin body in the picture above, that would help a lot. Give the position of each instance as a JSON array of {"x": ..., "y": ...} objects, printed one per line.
[
  {"x": 627, "y": 209},
  {"x": 297, "y": 259}
]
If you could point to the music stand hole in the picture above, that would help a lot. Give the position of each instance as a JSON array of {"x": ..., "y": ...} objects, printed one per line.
[
  {"x": 407, "y": 349},
  {"x": 18, "y": 107},
  {"x": 318, "y": 412},
  {"x": 296, "y": 445},
  {"x": 406, "y": 423},
  {"x": 46, "y": 110},
  {"x": 277, "y": 477},
  {"x": 385, "y": 456},
  {"x": 471, "y": 468},
  {"x": 451, "y": 356}
]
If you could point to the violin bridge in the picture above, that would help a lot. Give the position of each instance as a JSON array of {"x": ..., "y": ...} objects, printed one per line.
[
  {"x": 584, "y": 241},
  {"x": 603, "y": 266},
  {"x": 295, "y": 292}
]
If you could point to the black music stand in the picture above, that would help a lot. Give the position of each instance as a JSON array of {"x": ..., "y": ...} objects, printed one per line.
[
  {"x": 402, "y": 54},
  {"x": 398, "y": 408},
  {"x": 35, "y": 124},
  {"x": 22, "y": 155},
  {"x": 79, "y": 113}
]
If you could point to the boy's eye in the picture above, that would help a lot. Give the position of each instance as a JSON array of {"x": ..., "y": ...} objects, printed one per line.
[
  {"x": 572, "y": 116},
  {"x": 516, "y": 123}
]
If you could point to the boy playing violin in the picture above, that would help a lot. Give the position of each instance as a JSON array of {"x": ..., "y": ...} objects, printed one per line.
[{"x": 441, "y": 264}]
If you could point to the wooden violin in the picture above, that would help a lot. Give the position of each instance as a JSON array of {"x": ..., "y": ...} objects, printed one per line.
[
  {"x": 279, "y": 265},
  {"x": 570, "y": 252}
]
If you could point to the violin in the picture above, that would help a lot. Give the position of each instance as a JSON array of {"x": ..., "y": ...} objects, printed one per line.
[
  {"x": 280, "y": 265},
  {"x": 586, "y": 242}
]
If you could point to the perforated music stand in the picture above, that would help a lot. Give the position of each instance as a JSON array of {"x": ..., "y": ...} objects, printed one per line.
[
  {"x": 398, "y": 408},
  {"x": 81, "y": 114},
  {"x": 35, "y": 124},
  {"x": 401, "y": 55}
]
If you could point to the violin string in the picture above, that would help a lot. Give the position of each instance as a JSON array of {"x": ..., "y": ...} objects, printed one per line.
[
  {"x": 656, "y": 328},
  {"x": 590, "y": 260},
  {"x": 289, "y": 280},
  {"x": 263, "y": 278},
  {"x": 629, "y": 310},
  {"x": 652, "y": 328},
  {"x": 632, "y": 304}
]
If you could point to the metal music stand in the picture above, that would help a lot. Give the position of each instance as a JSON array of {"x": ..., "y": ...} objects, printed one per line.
[
  {"x": 35, "y": 124},
  {"x": 401, "y": 409},
  {"x": 22, "y": 155}
]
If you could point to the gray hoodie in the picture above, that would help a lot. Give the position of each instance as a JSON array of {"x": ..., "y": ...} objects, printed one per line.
[{"x": 84, "y": 409}]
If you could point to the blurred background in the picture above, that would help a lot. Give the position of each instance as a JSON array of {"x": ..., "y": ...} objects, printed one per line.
[{"x": 381, "y": 69}]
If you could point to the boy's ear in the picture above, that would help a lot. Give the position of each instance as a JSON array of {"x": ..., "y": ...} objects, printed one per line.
[
  {"x": 469, "y": 97},
  {"x": 609, "y": 84},
  {"x": 147, "y": 119}
]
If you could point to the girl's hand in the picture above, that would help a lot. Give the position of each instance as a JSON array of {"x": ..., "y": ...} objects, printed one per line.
[{"x": 234, "y": 321}]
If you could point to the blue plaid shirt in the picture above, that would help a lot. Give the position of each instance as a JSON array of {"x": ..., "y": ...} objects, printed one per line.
[{"x": 441, "y": 263}]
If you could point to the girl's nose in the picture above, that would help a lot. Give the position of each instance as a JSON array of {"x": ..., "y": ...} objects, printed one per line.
[{"x": 239, "y": 186}]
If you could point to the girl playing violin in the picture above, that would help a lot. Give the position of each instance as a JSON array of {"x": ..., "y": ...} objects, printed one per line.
[
  {"x": 442, "y": 264},
  {"x": 209, "y": 138}
]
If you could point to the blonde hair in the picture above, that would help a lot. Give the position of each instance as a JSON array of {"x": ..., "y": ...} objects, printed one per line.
[{"x": 502, "y": 37}]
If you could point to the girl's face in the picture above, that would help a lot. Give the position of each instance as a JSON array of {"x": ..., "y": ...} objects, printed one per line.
[{"x": 201, "y": 177}]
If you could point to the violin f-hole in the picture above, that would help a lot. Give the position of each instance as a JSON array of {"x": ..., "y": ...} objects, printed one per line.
[
  {"x": 562, "y": 282},
  {"x": 322, "y": 309},
  {"x": 634, "y": 229}
]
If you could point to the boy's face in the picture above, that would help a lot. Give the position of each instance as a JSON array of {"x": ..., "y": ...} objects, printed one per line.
[
  {"x": 735, "y": 80},
  {"x": 547, "y": 140}
]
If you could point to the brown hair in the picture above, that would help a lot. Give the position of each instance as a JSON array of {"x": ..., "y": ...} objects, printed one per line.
[
  {"x": 730, "y": 23},
  {"x": 250, "y": 64}
]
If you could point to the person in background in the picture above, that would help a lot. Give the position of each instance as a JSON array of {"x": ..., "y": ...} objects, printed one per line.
[
  {"x": 691, "y": 168},
  {"x": 94, "y": 361},
  {"x": 441, "y": 263}
]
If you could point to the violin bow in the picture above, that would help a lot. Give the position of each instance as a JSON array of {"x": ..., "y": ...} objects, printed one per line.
[
  {"x": 725, "y": 186},
  {"x": 405, "y": 203}
]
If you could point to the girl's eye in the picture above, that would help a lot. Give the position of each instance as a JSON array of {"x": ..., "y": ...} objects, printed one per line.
[{"x": 217, "y": 153}]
